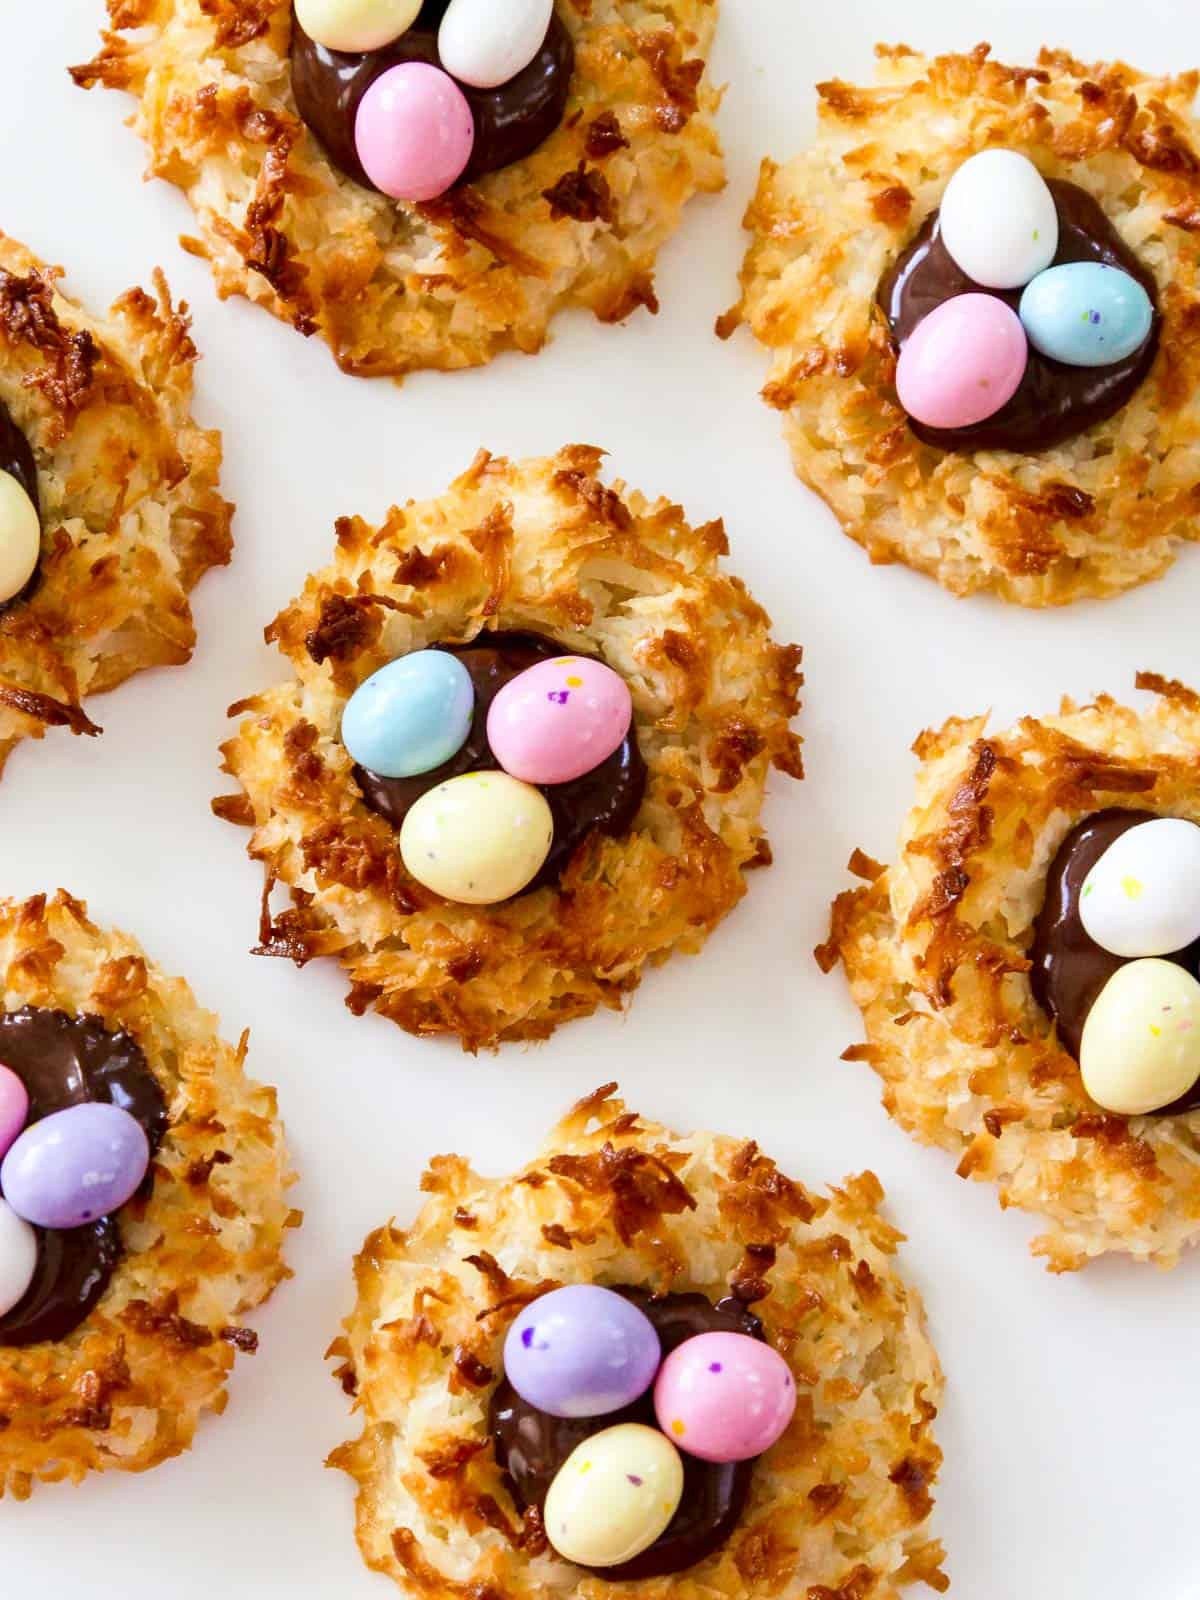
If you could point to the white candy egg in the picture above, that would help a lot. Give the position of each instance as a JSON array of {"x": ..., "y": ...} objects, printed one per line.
[
  {"x": 998, "y": 220},
  {"x": 1142, "y": 897},
  {"x": 18, "y": 1257},
  {"x": 487, "y": 42},
  {"x": 356, "y": 25},
  {"x": 1141, "y": 1041},
  {"x": 20, "y": 537}
]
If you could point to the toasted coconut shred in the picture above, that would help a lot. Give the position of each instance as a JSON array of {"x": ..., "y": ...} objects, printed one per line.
[
  {"x": 541, "y": 544},
  {"x": 126, "y": 1389},
  {"x": 1096, "y": 515},
  {"x": 936, "y": 951},
  {"x": 837, "y": 1508},
  {"x": 131, "y": 514},
  {"x": 392, "y": 286}
]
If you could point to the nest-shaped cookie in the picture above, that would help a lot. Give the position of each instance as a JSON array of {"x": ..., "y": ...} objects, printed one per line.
[
  {"x": 837, "y": 1507},
  {"x": 936, "y": 951},
  {"x": 131, "y": 516},
  {"x": 127, "y": 1388},
  {"x": 542, "y": 545},
  {"x": 391, "y": 286},
  {"x": 1093, "y": 516}
]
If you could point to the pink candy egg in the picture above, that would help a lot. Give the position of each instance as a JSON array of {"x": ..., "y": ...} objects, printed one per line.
[
  {"x": 724, "y": 1396},
  {"x": 559, "y": 719},
  {"x": 414, "y": 131},
  {"x": 963, "y": 363},
  {"x": 14, "y": 1108}
]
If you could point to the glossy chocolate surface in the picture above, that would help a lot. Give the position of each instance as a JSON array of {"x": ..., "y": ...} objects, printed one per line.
[
  {"x": 64, "y": 1061},
  {"x": 1070, "y": 968},
  {"x": 17, "y": 457},
  {"x": 1055, "y": 401},
  {"x": 510, "y": 121},
  {"x": 531, "y": 1446},
  {"x": 606, "y": 798}
]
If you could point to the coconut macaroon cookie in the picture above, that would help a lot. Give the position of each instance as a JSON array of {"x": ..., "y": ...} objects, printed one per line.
[
  {"x": 142, "y": 1202},
  {"x": 1027, "y": 969},
  {"x": 109, "y": 507},
  {"x": 648, "y": 1364},
  {"x": 522, "y": 751},
  {"x": 424, "y": 185},
  {"x": 979, "y": 291}
]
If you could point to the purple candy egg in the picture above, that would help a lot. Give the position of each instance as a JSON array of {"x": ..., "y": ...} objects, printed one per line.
[
  {"x": 581, "y": 1351},
  {"x": 75, "y": 1166}
]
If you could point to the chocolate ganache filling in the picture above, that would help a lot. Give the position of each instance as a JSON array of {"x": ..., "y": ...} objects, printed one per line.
[
  {"x": 17, "y": 457},
  {"x": 1055, "y": 401},
  {"x": 607, "y": 798},
  {"x": 531, "y": 1445},
  {"x": 1069, "y": 968},
  {"x": 64, "y": 1061},
  {"x": 510, "y": 121}
]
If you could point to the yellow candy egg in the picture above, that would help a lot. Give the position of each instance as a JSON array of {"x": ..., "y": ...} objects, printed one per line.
[
  {"x": 478, "y": 838},
  {"x": 1141, "y": 1041},
  {"x": 356, "y": 25},
  {"x": 614, "y": 1495},
  {"x": 20, "y": 537}
]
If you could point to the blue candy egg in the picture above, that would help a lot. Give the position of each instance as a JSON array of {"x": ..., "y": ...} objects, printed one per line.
[
  {"x": 1086, "y": 314},
  {"x": 75, "y": 1166},
  {"x": 582, "y": 1351},
  {"x": 410, "y": 716}
]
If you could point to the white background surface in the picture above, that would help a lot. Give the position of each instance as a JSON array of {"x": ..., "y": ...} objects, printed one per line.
[{"x": 1071, "y": 1411}]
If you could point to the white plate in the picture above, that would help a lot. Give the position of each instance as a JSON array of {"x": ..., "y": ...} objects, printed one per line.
[{"x": 1071, "y": 1414}]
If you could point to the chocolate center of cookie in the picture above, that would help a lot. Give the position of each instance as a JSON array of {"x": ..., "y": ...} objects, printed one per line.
[
  {"x": 1054, "y": 402},
  {"x": 16, "y": 457},
  {"x": 531, "y": 1446},
  {"x": 66, "y": 1061},
  {"x": 607, "y": 798},
  {"x": 1069, "y": 968},
  {"x": 510, "y": 121}
]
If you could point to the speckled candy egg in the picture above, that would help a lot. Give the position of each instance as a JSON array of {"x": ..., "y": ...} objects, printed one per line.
[
  {"x": 614, "y": 1495},
  {"x": 724, "y": 1396},
  {"x": 559, "y": 719},
  {"x": 998, "y": 220},
  {"x": 356, "y": 25},
  {"x": 20, "y": 537},
  {"x": 962, "y": 363},
  {"x": 76, "y": 1165},
  {"x": 18, "y": 1257},
  {"x": 486, "y": 43},
  {"x": 410, "y": 716},
  {"x": 1140, "y": 1048},
  {"x": 477, "y": 839},
  {"x": 581, "y": 1351},
  {"x": 1086, "y": 314},
  {"x": 14, "y": 1108},
  {"x": 1142, "y": 897},
  {"x": 414, "y": 131}
]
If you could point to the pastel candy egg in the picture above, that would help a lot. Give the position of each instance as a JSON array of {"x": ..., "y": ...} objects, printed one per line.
[
  {"x": 20, "y": 537},
  {"x": 414, "y": 131},
  {"x": 581, "y": 1351},
  {"x": 356, "y": 25},
  {"x": 1141, "y": 1042},
  {"x": 559, "y": 719},
  {"x": 962, "y": 363},
  {"x": 75, "y": 1165},
  {"x": 1142, "y": 897},
  {"x": 998, "y": 220},
  {"x": 410, "y": 716},
  {"x": 14, "y": 1107},
  {"x": 614, "y": 1495},
  {"x": 18, "y": 1257},
  {"x": 485, "y": 44},
  {"x": 478, "y": 839},
  {"x": 1086, "y": 314},
  {"x": 724, "y": 1396}
]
